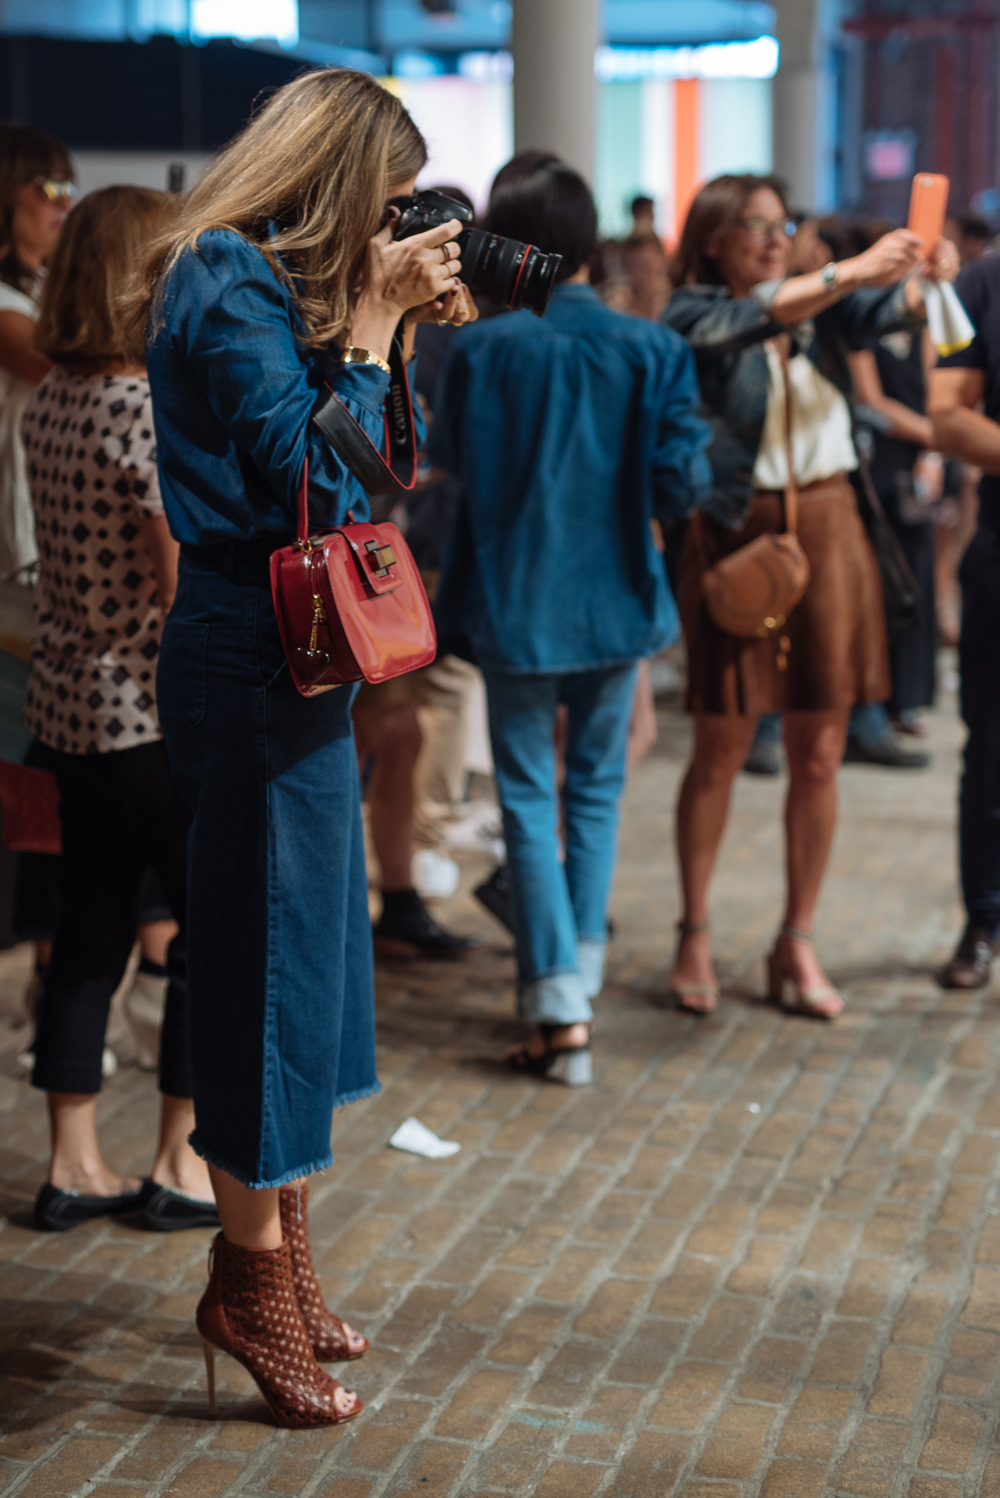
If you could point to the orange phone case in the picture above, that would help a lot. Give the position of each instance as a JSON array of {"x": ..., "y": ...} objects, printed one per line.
[{"x": 928, "y": 206}]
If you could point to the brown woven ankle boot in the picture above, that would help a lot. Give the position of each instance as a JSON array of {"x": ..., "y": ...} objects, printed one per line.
[
  {"x": 250, "y": 1310},
  {"x": 330, "y": 1342}
]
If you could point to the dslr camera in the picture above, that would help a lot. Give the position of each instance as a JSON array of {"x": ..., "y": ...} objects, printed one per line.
[{"x": 503, "y": 271}]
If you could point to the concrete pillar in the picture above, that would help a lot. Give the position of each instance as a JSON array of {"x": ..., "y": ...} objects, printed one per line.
[
  {"x": 553, "y": 42},
  {"x": 804, "y": 101}
]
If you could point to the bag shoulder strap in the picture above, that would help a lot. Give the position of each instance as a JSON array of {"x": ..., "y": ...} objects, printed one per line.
[
  {"x": 394, "y": 474},
  {"x": 791, "y": 504}
]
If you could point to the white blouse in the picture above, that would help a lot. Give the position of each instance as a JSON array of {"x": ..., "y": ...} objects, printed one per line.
[
  {"x": 821, "y": 426},
  {"x": 17, "y": 526}
]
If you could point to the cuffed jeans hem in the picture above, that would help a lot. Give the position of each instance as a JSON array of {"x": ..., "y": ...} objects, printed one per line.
[
  {"x": 558, "y": 999},
  {"x": 66, "y": 1076},
  {"x": 211, "y": 1157},
  {"x": 590, "y": 955}
]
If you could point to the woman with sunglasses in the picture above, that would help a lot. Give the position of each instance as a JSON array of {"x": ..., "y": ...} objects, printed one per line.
[
  {"x": 36, "y": 193},
  {"x": 280, "y": 277},
  {"x": 758, "y": 332}
]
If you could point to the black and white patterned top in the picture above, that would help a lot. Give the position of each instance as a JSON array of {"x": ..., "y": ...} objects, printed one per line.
[{"x": 92, "y": 468}]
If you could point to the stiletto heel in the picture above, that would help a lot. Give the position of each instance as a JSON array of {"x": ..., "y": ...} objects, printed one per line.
[
  {"x": 820, "y": 1002},
  {"x": 250, "y": 1310},
  {"x": 209, "y": 1352}
]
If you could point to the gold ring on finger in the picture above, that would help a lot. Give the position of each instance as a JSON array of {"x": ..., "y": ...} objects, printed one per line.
[{"x": 445, "y": 253}]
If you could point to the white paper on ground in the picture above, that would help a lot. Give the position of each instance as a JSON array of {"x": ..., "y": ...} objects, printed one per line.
[{"x": 416, "y": 1139}]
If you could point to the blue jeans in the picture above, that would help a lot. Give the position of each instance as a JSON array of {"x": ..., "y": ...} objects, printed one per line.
[
  {"x": 560, "y": 908},
  {"x": 280, "y": 977},
  {"x": 979, "y": 798}
]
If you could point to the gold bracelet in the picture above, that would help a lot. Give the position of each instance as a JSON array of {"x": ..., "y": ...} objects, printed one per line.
[{"x": 363, "y": 356}]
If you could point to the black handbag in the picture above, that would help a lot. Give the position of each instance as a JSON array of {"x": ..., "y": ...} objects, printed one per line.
[{"x": 900, "y": 589}]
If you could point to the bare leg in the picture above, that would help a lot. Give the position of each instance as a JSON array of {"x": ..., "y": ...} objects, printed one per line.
[
  {"x": 642, "y": 724},
  {"x": 252, "y": 1219},
  {"x": 154, "y": 939},
  {"x": 392, "y": 735},
  {"x": 814, "y": 743},
  {"x": 76, "y": 1163},
  {"x": 176, "y": 1165},
  {"x": 721, "y": 745}
]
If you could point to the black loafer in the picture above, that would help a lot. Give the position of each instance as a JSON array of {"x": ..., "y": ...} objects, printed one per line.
[
  {"x": 167, "y": 1211},
  {"x": 57, "y": 1210},
  {"x": 972, "y": 965}
]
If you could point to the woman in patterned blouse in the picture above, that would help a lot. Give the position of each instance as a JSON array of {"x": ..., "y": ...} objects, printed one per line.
[{"x": 108, "y": 572}]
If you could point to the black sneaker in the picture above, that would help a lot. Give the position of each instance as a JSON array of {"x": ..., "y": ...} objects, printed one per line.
[
  {"x": 884, "y": 752},
  {"x": 494, "y": 895},
  {"x": 56, "y": 1210},
  {"x": 406, "y": 928}
]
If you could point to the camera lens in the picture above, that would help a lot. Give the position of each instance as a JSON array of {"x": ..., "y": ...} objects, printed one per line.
[{"x": 506, "y": 272}]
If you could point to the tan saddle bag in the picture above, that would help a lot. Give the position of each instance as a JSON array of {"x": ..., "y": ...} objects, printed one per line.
[{"x": 751, "y": 592}]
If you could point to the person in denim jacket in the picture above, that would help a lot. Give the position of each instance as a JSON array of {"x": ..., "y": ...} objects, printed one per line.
[
  {"x": 750, "y": 326},
  {"x": 276, "y": 279},
  {"x": 568, "y": 435}
]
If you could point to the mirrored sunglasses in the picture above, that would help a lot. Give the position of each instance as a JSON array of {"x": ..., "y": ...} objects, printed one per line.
[{"x": 55, "y": 191}]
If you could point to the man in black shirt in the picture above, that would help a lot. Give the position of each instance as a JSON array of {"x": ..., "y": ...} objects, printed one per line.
[{"x": 958, "y": 387}]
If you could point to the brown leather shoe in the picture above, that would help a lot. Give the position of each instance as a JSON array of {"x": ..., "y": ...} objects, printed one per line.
[
  {"x": 972, "y": 964},
  {"x": 330, "y": 1342},
  {"x": 251, "y": 1311}
]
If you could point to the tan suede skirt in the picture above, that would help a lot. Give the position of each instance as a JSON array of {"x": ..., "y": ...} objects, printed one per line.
[{"x": 838, "y": 654}]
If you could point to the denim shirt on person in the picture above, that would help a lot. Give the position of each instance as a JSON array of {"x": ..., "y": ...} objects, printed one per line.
[
  {"x": 569, "y": 434},
  {"x": 727, "y": 336},
  {"x": 231, "y": 444}
]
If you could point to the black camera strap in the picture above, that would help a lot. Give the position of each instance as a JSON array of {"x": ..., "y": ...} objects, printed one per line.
[{"x": 394, "y": 473}]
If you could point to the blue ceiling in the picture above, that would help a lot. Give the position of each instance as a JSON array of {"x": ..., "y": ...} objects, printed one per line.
[{"x": 385, "y": 27}]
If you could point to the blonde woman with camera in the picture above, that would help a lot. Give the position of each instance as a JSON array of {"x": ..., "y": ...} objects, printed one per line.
[{"x": 281, "y": 275}]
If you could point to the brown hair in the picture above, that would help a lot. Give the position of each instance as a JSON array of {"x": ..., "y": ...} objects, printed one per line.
[
  {"x": 25, "y": 155},
  {"x": 81, "y": 318},
  {"x": 715, "y": 206},
  {"x": 318, "y": 162}
]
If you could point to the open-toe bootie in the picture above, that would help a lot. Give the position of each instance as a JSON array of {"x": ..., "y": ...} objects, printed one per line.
[
  {"x": 250, "y": 1310},
  {"x": 331, "y": 1343}
]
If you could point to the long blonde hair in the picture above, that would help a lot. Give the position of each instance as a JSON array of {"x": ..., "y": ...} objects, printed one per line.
[
  {"x": 80, "y": 320},
  {"x": 318, "y": 162}
]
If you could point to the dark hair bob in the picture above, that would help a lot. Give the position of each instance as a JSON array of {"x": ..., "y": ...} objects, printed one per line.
[{"x": 551, "y": 207}]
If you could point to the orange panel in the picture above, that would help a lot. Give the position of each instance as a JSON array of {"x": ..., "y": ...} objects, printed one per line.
[{"x": 685, "y": 148}]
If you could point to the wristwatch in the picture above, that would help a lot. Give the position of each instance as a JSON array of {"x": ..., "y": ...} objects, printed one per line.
[
  {"x": 363, "y": 356},
  {"x": 828, "y": 275}
]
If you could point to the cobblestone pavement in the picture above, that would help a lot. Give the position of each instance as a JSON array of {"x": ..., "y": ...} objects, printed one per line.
[{"x": 759, "y": 1257}]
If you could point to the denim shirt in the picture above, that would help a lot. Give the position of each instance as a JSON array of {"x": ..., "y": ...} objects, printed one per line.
[
  {"x": 568, "y": 434},
  {"x": 233, "y": 392},
  {"x": 727, "y": 335}
]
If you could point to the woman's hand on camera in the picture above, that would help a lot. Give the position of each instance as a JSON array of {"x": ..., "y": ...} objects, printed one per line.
[
  {"x": 404, "y": 273},
  {"x": 454, "y": 309},
  {"x": 888, "y": 260}
]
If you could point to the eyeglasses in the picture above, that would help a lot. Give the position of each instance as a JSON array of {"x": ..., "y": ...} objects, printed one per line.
[
  {"x": 766, "y": 228},
  {"x": 55, "y": 190}
]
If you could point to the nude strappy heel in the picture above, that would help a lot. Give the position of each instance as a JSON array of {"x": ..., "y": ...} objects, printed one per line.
[
  {"x": 820, "y": 1002},
  {"x": 681, "y": 993}
]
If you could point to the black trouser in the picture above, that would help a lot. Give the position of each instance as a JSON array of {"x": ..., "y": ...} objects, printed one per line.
[
  {"x": 979, "y": 663},
  {"x": 119, "y": 813}
]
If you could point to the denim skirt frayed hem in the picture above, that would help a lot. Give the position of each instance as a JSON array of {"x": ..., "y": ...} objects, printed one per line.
[{"x": 280, "y": 972}]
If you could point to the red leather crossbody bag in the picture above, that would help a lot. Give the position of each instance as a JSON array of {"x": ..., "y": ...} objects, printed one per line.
[{"x": 349, "y": 601}]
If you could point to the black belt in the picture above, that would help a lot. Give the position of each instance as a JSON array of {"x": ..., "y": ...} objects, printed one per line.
[{"x": 246, "y": 562}]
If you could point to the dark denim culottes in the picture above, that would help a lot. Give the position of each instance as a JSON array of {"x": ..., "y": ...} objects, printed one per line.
[{"x": 280, "y": 980}]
